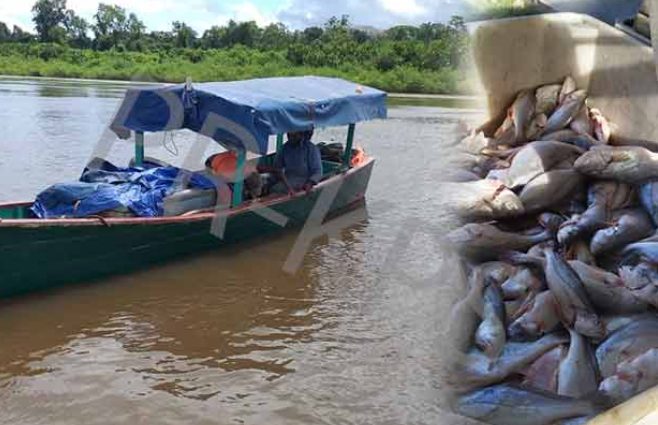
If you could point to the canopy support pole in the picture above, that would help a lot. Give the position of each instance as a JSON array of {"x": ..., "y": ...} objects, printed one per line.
[
  {"x": 348, "y": 146},
  {"x": 139, "y": 148},
  {"x": 279, "y": 142},
  {"x": 239, "y": 178}
]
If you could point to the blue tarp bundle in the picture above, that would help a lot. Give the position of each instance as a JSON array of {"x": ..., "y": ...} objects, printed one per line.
[
  {"x": 243, "y": 114},
  {"x": 139, "y": 190}
]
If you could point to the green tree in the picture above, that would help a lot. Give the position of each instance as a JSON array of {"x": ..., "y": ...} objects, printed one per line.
[
  {"x": 115, "y": 29},
  {"x": 360, "y": 36},
  {"x": 160, "y": 40},
  {"x": 20, "y": 36},
  {"x": 183, "y": 34},
  {"x": 244, "y": 33},
  {"x": 214, "y": 38},
  {"x": 110, "y": 26},
  {"x": 77, "y": 30},
  {"x": 402, "y": 33},
  {"x": 135, "y": 30},
  {"x": 5, "y": 34},
  {"x": 49, "y": 17},
  {"x": 311, "y": 34},
  {"x": 274, "y": 37}
]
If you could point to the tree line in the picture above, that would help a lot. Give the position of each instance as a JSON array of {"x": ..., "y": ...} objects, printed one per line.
[{"x": 69, "y": 44}]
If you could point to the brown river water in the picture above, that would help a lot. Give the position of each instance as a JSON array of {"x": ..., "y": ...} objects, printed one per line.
[{"x": 356, "y": 336}]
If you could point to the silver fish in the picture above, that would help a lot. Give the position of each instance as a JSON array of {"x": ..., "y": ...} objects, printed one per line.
[
  {"x": 521, "y": 284},
  {"x": 490, "y": 335},
  {"x": 582, "y": 141},
  {"x": 547, "y": 98},
  {"x": 632, "y": 377},
  {"x": 497, "y": 271},
  {"x": 477, "y": 369},
  {"x": 506, "y": 126},
  {"x": 559, "y": 136},
  {"x": 602, "y": 127},
  {"x": 540, "y": 317},
  {"x": 640, "y": 252},
  {"x": 512, "y": 309},
  {"x": 507, "y": 137},
  {"x": 465, "y": 315},
  {"x": 642, "y": 282},
  {"x": 607, "y": 291},
  {"x": 627, "y": 343},
  {"x": 630, "y": 164},
  {"x": 523, "y": 110},
  {"x": 464, "y": 161},
  {"x": 549, "y": 189},
  {"x": 481, "y": 200},
  {"x": 581, "y": 123},
  {"x": 649, "y": 199},
  {"x": 537, "y": 158},
  {"x": 628, "y": 226},
  {"x": 578, "y": 376},
  {"x": 486, "y": 241},
  {"x": 615, "y": 322},
  {"x": 566, "y": 112},
  {"x": 536, "y": 126},
  {"x": 475, "y": 143},
  {"x": 568, "y": 87},
  {"x": 498, "y": 175},
  {"x": 509, "y": 405},
  {"x": 583, "y": 420},
  {"x": 603, "y": 198},
  {"x": 550, "y": 221},
  {"x": 576, "y": 309},
  {"x": 579, "y": 250},
  {"x": 543, "y": 372}
]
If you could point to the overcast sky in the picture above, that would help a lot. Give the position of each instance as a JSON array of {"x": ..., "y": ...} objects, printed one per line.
[{"x": 202, "y": 14}]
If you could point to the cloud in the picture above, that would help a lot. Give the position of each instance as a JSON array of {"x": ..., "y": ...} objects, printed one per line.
[
  {"x": 16, "y": 13},
  {"x": 409, "y": 8},
  {"x": 202, "y": 14},
  {"x": 250, "y": 12},
  {"x": 377, "y": 13}
]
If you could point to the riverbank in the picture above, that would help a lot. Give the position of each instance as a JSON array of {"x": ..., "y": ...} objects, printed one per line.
[
  {"x": 419, "y": 96},
  {"x": 219, "y": 65}
]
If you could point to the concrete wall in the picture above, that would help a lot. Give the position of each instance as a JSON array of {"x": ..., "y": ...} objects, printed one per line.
[{"x": 618, "y": 71}]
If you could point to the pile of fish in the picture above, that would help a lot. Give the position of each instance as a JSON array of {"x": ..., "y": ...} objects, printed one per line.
[{"x": 562, "y": 251}]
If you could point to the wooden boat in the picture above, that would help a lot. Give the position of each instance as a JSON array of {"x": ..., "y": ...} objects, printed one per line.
[
  {"x": 37, "y": 253},
  {"x": 619, "y": 74}
]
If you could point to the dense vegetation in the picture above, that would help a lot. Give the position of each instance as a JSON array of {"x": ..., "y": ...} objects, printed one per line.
[{"x": 421, "y": 59}]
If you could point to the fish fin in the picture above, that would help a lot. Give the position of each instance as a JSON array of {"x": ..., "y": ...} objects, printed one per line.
[
  {"x": 600, "y": 402},
  {"x": 526, "y": 306}
]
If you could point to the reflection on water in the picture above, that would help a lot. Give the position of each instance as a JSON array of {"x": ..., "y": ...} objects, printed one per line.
[{"x": 228, "y": 337}]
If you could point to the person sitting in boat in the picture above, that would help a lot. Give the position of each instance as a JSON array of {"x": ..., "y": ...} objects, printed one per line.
[
  {"x": 224, "y": 165},
  {"x": 298, "y": 166}
]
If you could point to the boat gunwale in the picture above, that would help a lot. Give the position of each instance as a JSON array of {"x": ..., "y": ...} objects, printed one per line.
[{"x": 202, "y": 216}]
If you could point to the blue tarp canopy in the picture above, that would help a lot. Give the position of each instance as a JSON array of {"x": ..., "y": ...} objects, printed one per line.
[
  {"x": 609, "y": 11},
  {"x": 243, "y": 114}
]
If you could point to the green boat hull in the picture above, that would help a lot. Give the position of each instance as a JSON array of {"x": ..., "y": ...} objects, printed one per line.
[{"x": 35, "y": 256}]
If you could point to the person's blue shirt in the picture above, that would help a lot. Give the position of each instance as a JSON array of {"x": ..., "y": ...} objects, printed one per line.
[{"x": 301, "y": 162}]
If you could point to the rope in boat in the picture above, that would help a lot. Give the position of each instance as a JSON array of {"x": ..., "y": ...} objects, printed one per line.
[{"x": 174, "y": 147}]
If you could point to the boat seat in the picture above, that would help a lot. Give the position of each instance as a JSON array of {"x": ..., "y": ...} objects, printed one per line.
[{"x": 189, "y": 200}]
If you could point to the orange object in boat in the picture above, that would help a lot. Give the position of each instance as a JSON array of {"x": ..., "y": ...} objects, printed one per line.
[
  {"x": 226, "y": 163},
  {"x": 358, "y": 157}
]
